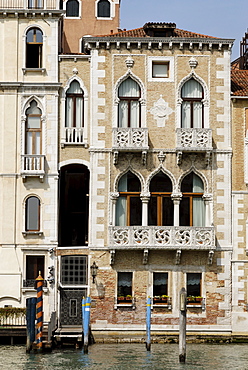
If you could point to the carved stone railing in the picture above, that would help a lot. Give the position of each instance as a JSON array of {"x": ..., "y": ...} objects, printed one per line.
[
  {"x": 33, "y": 165},
  {"x": 196, "y": 139},
  {"x": 130, "y": 138},
  {"x": 30, "y": 4},
  {"x": 162, "y": 237},
  {"x": 74, "y": 135}
]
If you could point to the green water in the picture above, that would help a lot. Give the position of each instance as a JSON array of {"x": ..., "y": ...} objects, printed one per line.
[{"x": 129, "y": 356}]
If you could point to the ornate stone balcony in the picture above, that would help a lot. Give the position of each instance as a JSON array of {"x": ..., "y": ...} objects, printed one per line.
[
  {"x": 30, "y": 4},
  {"x": 74, "y": 135},
  {"x": 194, "y": 140},
  {"x": 33, "y": 165},
  {"x": 162, "y": 237},
  {"x": 130, "y": 140}
]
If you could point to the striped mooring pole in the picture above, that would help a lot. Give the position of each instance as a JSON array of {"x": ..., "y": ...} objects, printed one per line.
[
  {"x": 148, "y": 324},
  {"x": 86, "y": 324},
  {"x": 39, "y": 312}
]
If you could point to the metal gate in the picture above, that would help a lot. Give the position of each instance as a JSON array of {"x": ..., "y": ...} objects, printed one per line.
[{"x": 71, "y": 306}]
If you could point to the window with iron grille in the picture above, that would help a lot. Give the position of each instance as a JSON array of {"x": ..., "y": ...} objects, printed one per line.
[{"x": 74, "y": 270}]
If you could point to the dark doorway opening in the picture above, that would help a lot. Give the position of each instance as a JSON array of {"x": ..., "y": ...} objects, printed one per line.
[{"x": 74, "y": 205}]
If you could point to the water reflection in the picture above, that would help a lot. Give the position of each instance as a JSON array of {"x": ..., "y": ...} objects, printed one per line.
[{"x": 128, "y": 357}]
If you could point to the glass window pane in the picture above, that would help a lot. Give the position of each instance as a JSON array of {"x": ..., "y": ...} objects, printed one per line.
[
  {"x": 79, "y": 112},
  {"x": 69, "y": 112},
  {"x": 124, "y": 286},
  {"x": 103, "y": 8},
  {"x": 194, "y": 284},
  {"x": 167, "y": 212},
  {"x": 135, "y": 211},
  {"x": 33, "y": 122},
  {"x": 134, "y": 114},
  {"x": 192, "y": 89},
  {"x": 184, "y": 219},
  {"x": 72, "y": 8},
  {"x": 129, "y": 88},
  {"x": 32, "y": 214},
  {"x": 197, "y": 115},
  {"x": 160, "y": 283},
  {"x": 121, "y": 211},
  {"x": 39, "y": 36},
  {"x": 161, "y": 183},
  {"x": 186, "y": 117},
  {"x": 152, "y": 214},
  {"x": 74, "y": 88},
  {"x": 74, "y": 270},
  {"x": 198, "y": 212},
  {"x": 129, "y": 182},
  {"x": 159, "y": 70},
  {"x": 123, "y": 114}
]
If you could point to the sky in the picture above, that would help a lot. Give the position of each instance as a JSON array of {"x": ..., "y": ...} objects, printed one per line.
[{"x": 220, "y": 18}]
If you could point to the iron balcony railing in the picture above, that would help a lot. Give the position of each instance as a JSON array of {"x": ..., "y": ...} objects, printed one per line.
[
  {"x": 197, "y": 139},
  {"x": 130, "y": 138},
  {"x": 162, "y": 237},
  {"x": 30, "y": 4}
]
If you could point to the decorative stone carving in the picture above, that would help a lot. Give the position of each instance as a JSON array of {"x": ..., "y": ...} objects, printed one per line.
[
  {"x": 161, "y": 156},
  {"x": 193, "y": 62},
  {"x": 161, "y": 111},
  {"x": 145, "y": 257},
  {"x": 129, "y": 62},
  {"x": 112, "y": 257},
  {"x": 178, "y": 257},
  {"x": 75, "y": 71}
]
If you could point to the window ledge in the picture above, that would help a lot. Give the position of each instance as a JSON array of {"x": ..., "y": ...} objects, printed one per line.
[
  {"x": 30, "y": 289},
  {"x": 32, "y": 233},
  {"x": 33, "y": 70}
]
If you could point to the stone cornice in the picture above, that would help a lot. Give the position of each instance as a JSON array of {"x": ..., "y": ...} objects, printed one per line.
[
  {"x": 94, "y": 42},
  {"x": 31, "y": 13}
]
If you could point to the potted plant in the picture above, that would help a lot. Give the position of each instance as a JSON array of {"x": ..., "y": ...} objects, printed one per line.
[
  {"x": 156, "y": 298},
  {"x": 120, "y": 298},
  {"x": 191, "y": 299},
  {"x": 165, "y": 297},
  {"x": 128, "y": 297},
  {"x": 198, "y": 299}
]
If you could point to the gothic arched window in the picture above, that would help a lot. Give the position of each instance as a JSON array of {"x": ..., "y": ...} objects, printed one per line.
[
  {"x": 192, "y": 105},
  {"x": 129, "y": 104},
  {"x": 129, "y": 205}
]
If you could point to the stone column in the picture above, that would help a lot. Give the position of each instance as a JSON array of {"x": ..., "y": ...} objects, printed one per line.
[
  {"x": 176, "y": 200},
  {"x": 145, "y": 197},
  {"x": 208, "y": 199},
  {"x": 113, "y": 197}
]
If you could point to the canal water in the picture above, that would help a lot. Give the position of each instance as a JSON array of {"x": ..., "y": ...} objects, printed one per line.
[{"x": 129, "y": 356}]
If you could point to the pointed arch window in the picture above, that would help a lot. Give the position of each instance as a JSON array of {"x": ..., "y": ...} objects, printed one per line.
[
  {"x": 129, "y": 205},
  {"x": 192, "y": 95},
  {"x": 32, "y": 214},
  {"x": 34, "y": 44},
  {"x": 103, "y": 9},
  {"x": 129, "y": 94},
  {"x": 33, "y": 129},
  {"x": 74, "y": 105},
  {"x": 72, "y": 8},
  {"x": 192, "y": 207},
  {"x": 161, "y": 208}
]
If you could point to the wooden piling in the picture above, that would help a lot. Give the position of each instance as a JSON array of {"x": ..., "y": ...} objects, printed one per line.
[
  {"x": 182, "y": 325},
  {"x": 39, "y": 312}
]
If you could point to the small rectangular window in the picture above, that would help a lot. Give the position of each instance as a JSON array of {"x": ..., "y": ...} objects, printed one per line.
[
  {"x": 124, "y": 288},
  {"x": 160, "y": 284},
  {"x": 160, "y": 69},
  {"x": 194, "y": 284},
  {"x": 34, "y": 265}
]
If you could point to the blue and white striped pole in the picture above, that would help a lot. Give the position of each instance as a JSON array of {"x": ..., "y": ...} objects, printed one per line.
[
  {"x": 86, "y": 324},
  {"x": 148, "y": 324},
  {"x": 83, "y": 310}
]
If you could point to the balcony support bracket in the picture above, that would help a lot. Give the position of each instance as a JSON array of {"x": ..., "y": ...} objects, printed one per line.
[
  {"x": 178, "y": 256},
  {"x": 112, "y": 257},
  {"x": 179, "y": 158},
  {"x": 208, "y": 158},
  {"x": 115, "y": 157},
  {"x": 145, "y": 256},
  {"x": 144, "y": 157},
  {"x": 210, "y": 257}
]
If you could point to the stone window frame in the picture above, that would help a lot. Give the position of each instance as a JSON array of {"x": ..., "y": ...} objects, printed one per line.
[
  {"x": 26, "y": 232},
  {"x": 79, "y": 10},
  {"x": 112, "y": 11},
  {"x": 157, "y": 59},
  {"x": 42, "y": 69}
]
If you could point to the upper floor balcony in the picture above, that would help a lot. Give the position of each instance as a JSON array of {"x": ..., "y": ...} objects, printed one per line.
[
  {"x": 194, "y": 140},
  {"x": 162, "y": 237},
  {"x": 33, "y": 165},
  {"x": 129, "y": 139},
  {"x": 30, "y": 4}
]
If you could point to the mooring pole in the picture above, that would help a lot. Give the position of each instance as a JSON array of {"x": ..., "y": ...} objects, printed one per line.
[
  {"x": 83, "y": 311},
  {"x": 30, "y": 318},
  {"x": 39, "y": 312},
  {"x": 182, "y": 325},
  {"x": 148, "y": 324},
  {"x": 86, "y": 324}
]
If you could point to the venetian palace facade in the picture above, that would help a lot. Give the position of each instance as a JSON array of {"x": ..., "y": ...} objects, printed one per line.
[{"x": 116, "y": 152}]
